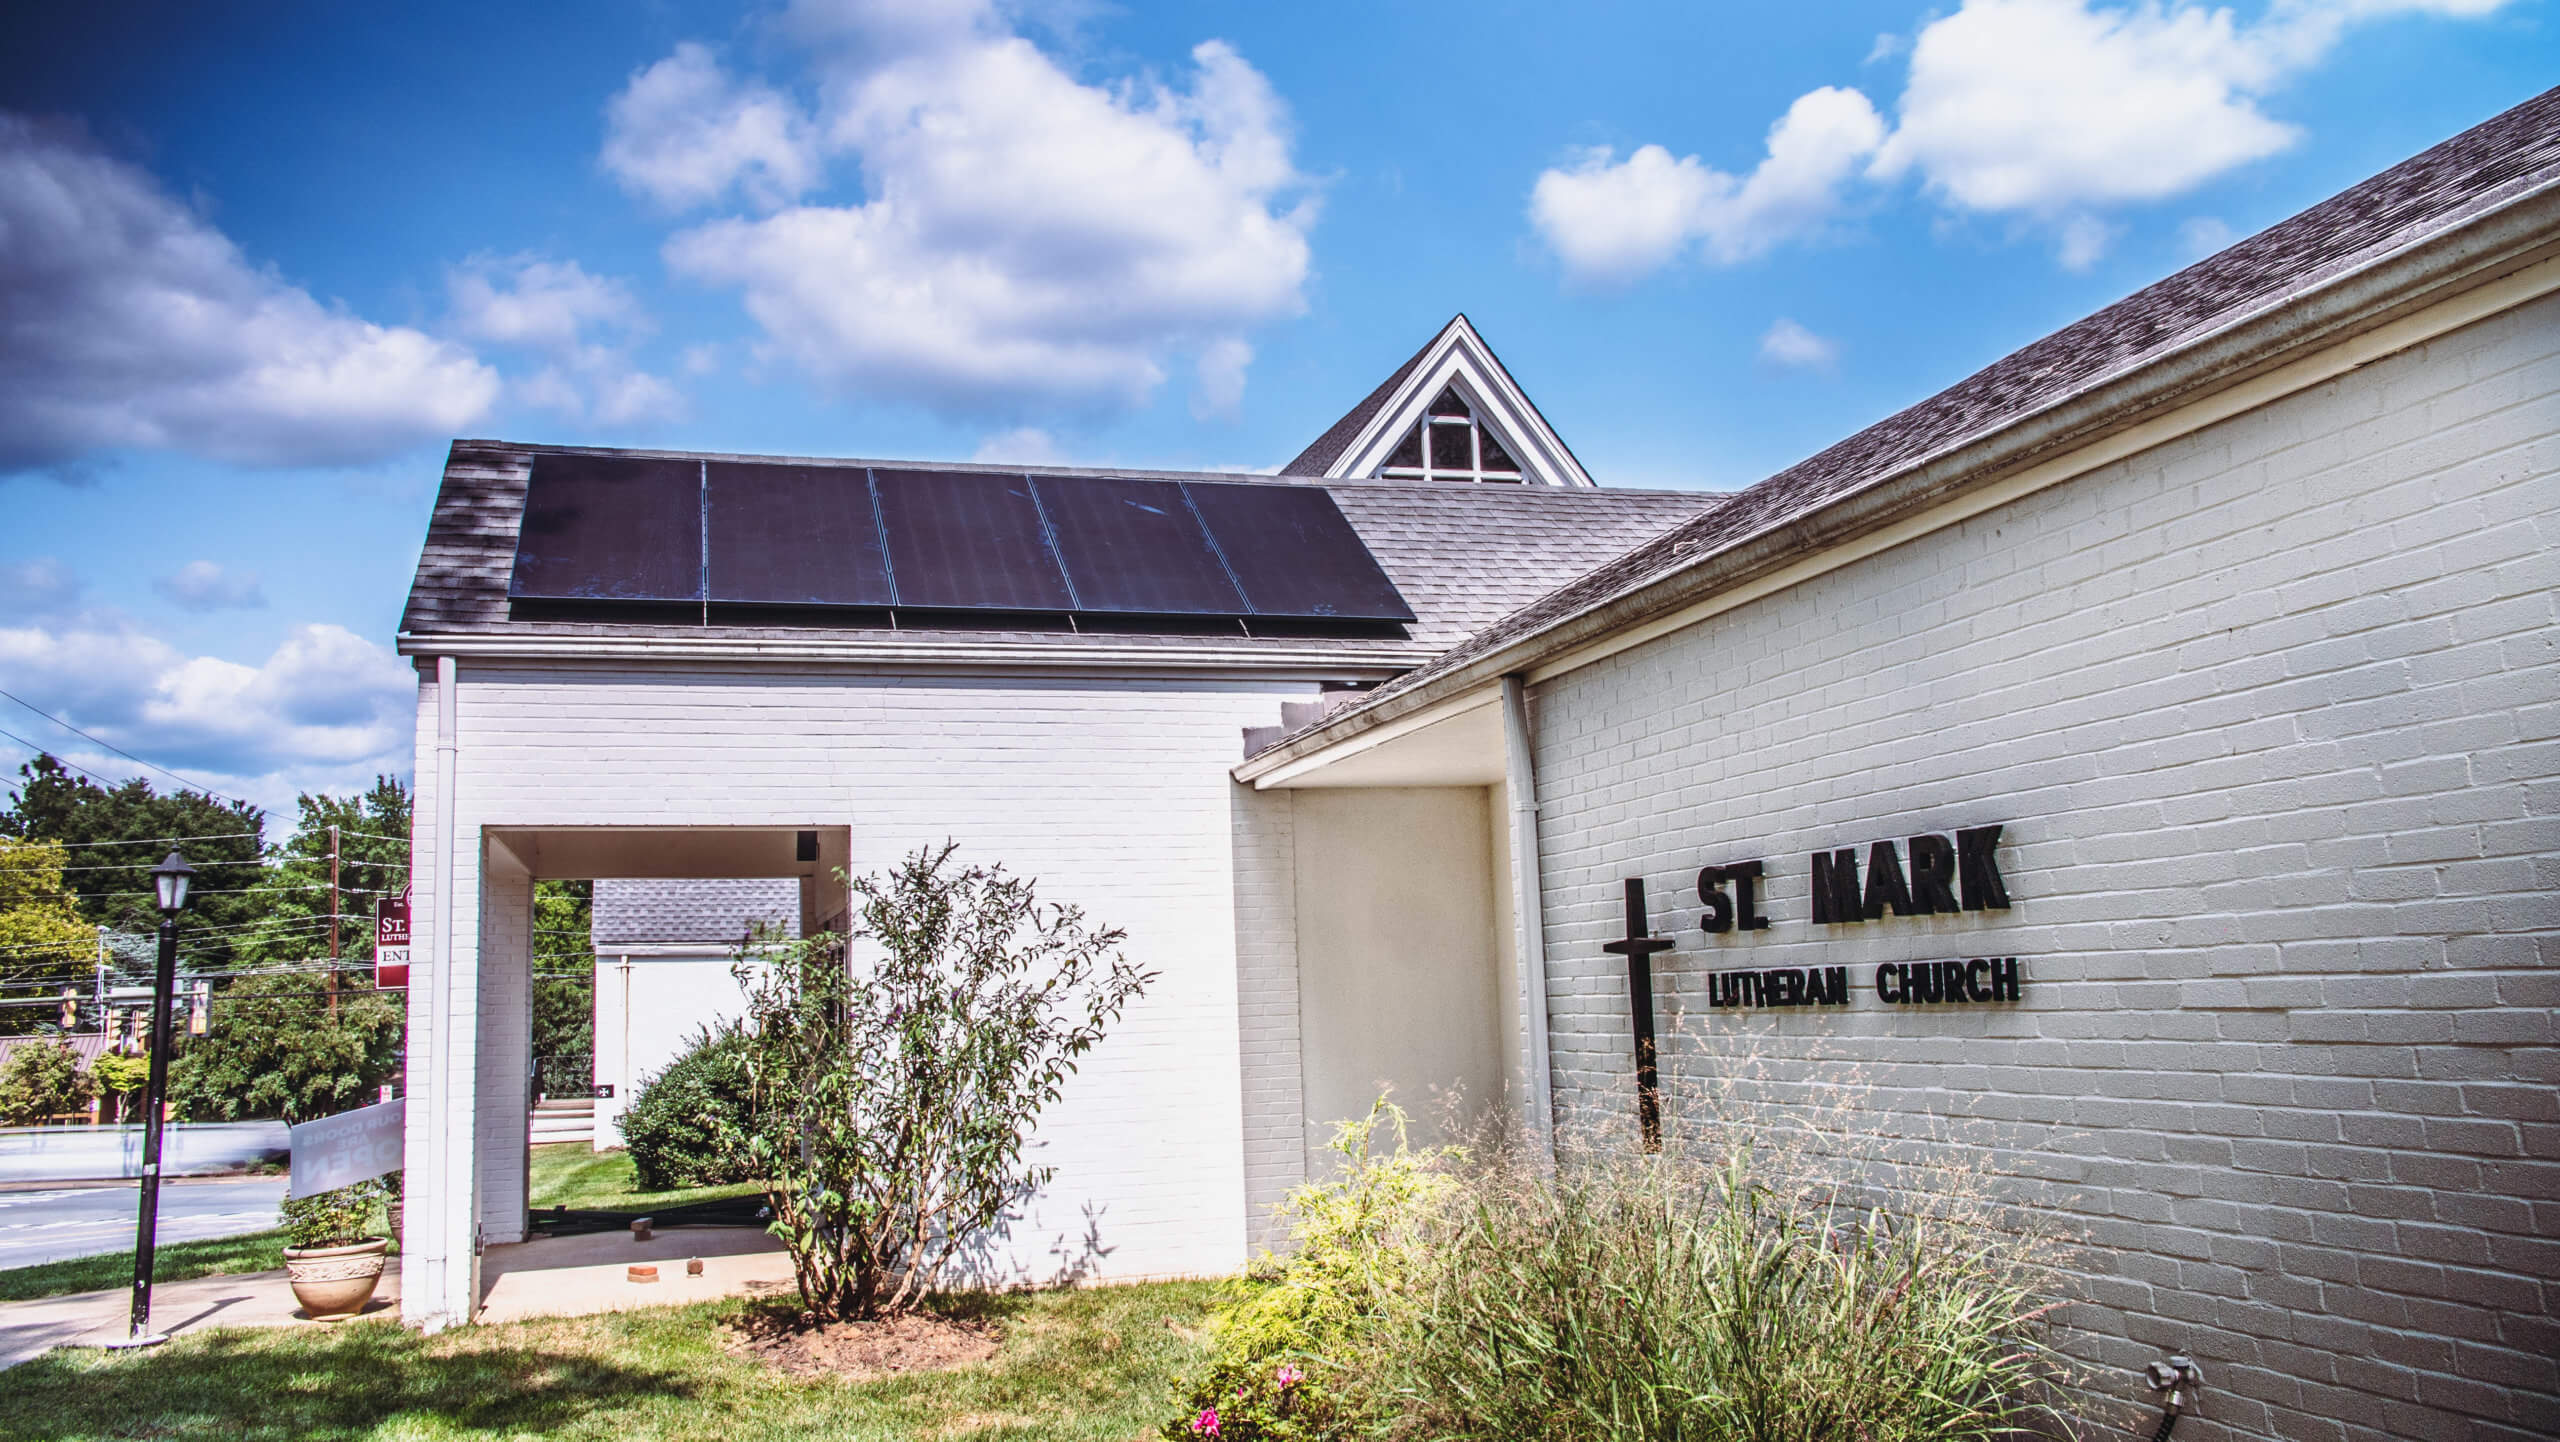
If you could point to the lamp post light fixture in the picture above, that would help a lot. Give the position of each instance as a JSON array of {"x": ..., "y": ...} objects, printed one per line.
[{"x": 170, "y": 879}]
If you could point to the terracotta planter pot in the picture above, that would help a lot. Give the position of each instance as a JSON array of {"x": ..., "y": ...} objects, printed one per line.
[
  {"x": 392, "y": 1208},
  {"x": 334, "y": 1283}
]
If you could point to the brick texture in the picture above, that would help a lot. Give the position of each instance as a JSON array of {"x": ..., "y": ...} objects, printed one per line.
[{"x": 2272, "y": 717}]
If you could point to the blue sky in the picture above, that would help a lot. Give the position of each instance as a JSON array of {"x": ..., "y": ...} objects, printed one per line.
[{"x": 258, "y": 263}]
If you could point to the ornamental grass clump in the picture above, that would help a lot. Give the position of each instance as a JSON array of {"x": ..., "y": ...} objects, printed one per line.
[{"x": 1670, "y": 1300}]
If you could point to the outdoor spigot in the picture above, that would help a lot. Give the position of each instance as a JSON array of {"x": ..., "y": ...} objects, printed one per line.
[{"x": 2175, "y": 1375}]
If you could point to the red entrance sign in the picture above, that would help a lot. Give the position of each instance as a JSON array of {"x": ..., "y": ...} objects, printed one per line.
[{"x": 391, "y": 940}]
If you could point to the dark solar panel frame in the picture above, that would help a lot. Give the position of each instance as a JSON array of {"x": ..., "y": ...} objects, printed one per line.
[
  {"x": 784, "y": 535},
  {"x": 1321, "y": 571},
  {"x": 610, "y": 528},
  {"x": 1135, "y": 547}
]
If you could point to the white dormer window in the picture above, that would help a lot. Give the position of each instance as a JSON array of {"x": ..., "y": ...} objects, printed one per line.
[{"x": 1450, "y": 444}]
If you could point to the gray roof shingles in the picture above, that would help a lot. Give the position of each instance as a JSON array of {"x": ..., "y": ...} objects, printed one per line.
[
  {"x": 712, "y": 912},
  {"x": 1463, "y": 555}
]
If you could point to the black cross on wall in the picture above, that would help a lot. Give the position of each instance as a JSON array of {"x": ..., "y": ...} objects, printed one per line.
[{"x": 1638, "y": 947}]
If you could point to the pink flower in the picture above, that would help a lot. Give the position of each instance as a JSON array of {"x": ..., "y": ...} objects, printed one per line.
[
  {"x": 1206, "y": 1424},
  {"x": 1288, "y": 1376}
]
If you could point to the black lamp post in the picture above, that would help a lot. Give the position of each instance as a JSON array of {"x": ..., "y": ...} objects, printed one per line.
[{"x": 171, "y": 878}]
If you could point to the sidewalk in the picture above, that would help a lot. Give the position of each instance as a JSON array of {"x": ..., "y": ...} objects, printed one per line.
[{"x": 550, "y": 1277}]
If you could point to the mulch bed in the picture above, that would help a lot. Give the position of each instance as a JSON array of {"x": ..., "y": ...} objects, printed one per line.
[{"x": 858, "y": 1351}]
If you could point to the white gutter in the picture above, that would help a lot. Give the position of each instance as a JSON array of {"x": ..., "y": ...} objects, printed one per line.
[
  {"x": 1528, "y": 909},
  {"x": 1289, "y": 663}
]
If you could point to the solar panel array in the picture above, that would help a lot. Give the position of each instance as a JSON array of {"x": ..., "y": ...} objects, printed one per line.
[{"x": 629, "y": 528}]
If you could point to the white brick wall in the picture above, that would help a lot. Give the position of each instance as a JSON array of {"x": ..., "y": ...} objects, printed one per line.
[
  {"x": 1113, "y": 794},
  {"x": 2272, "y": 715}
]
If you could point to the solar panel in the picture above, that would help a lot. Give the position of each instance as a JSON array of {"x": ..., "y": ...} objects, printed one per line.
[
  {"x": 795, "y": 536},
  {"x": 610, "y": 528},
  {"x": 969, "y": 540},
  {"x": 1135, "y": 547},
  {"x": 1294, "y": 554}
]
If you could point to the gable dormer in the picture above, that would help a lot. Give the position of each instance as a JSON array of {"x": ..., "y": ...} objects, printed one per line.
[{"x": 1449, "y": 413}]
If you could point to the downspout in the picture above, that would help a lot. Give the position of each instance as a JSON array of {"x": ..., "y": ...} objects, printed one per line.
[
  {"x": 1520, "y": 784},
  {"x": 440, "y": 1060}
]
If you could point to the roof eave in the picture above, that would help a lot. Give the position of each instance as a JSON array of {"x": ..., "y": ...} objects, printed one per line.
[{"x": 2502, "y": 240}]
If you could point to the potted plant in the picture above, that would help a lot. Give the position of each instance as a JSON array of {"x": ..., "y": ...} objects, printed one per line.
[
  {"x": 331, "y": 1260},
  {"x": 391, "y": 1205}
]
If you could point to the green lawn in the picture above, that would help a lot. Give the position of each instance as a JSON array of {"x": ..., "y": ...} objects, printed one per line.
[
  {"x": 1095, "y": 1364},
  {"x": 564, "y": 1174},
  {"x": 572, "y": 1175}
]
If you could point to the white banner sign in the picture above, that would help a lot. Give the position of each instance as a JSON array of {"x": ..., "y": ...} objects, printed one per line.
[{"x": 349, "y": 1147}]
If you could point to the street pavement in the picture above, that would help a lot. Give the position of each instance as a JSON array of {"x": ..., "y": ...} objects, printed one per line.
[{"x": 48, "y": 1224}]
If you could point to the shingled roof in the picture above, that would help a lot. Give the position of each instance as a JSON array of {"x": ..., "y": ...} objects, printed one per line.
[
  {"x": 2492, "y": 166},
  {"x": 710, "y": 912},
  {"x": 1463, "y": 555},
  {"x": 1316, "y": 459}
]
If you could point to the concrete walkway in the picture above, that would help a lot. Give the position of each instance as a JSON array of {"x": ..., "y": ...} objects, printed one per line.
[{"x": 550, "y": 1277}]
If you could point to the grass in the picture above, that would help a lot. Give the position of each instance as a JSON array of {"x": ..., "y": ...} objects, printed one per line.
[
  {"x": 572, "y": 1175},
  {"x": 1093, "y": 1364},
  {"x": 566, "y": 1174},
  {"x": 172, "y": 1262}
]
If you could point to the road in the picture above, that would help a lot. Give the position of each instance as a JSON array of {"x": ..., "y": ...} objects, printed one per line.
[
  {"x": 79, "y": 1154},
  {"x": 47, "y": 1224}
]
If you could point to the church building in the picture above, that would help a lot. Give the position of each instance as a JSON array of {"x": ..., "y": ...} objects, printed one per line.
[{"x": 2138, "y": 763}]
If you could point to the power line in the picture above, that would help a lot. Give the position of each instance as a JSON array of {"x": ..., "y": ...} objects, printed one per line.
[
  {"x": 74, "y": 765},
  {"x": 120, "y": 751},
  {"x": 130, "y": 840}
]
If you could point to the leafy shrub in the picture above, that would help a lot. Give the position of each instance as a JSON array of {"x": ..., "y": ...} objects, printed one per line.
[
  {"x": 276, "y": 1049},
  {"x": 43, "y": 1080},
  {"x": 332, "y": 1218},
  {"x": 677, "y": 1124},
  {"x": 893, "y": 1097},
  {"x": 1355, "y": 1244}
]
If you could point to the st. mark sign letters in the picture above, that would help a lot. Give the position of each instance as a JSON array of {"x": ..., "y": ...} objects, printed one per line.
[{"x": 1942, "y": 876}]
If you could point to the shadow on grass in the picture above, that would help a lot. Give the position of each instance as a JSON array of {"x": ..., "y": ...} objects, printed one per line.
[{"x": 345, "y": 1383}]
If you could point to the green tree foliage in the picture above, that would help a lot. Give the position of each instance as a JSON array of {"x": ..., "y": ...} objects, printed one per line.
[
  {"x": 43, "y": 941},
  {"x": 41, "y": 1081},
  {"x": 677, "y": 1123},
  {"x": 120, "y": 1074},
  {"x": 120, "y": 833},
  {"x": 892, "y": 1095},
  {"x": 564, "y": 969},
  {"x": 275, "y": 1049}
]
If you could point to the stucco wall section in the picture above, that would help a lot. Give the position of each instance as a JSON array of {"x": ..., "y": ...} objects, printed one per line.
[{"x": 2272, "y": 717}]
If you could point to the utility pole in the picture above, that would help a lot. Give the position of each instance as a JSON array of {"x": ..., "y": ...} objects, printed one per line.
[{"x": 333, "y": 923}]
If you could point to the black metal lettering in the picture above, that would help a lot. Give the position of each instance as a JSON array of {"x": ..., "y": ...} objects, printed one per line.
[
  {"x": 1719, "y": 917},
  {"x": 1933, "y": 869},
  {"x": 1835, "y": 887},
  {"x": 1885, "y": 886},
  {"x": 1978, "y": 985},
  {"x": 1745, "y": 876},
  {"x": 1890, "y": 971},
  {"x": 2007, "y": 979},
  {"x": 1835, "y": 986},
  {"x": 1978, "y": 867}
]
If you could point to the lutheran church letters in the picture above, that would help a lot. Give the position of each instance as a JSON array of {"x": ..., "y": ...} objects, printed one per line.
[{"x": 1943, "y": 876}]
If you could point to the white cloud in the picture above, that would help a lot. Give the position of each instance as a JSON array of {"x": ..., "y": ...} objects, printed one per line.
[
  {"x": 1025, "y": 242},
  {"x": 1610, "y": 221},
  {"x": 2051, "y": 110},
  {"x": 584, "y": 325},
  {"x": 1021, "y": 446},
  {"x": 327, "y": 709},
  {"x": 1789, "y": 344},
  {"x": 204, "y": 586},
  {"x": 683, "y": 133},
  {"x": 1219, "y": 392},
  {"x": 128, "y": 321}
]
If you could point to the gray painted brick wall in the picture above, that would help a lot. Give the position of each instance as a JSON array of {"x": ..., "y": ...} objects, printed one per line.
[{"x": 2272, "y": 716}]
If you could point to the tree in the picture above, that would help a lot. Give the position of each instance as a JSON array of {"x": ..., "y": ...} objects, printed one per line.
[
  {"x": 564, "y": 969},
  {"x": 275, "y": 1049},
  {"x": 41, "y": 1081},
  {"x": 120, "y": 833},
  {"x": 892, "y": 1098},
  {"x": 289, "y": 920},
  {"x": 43, "y": 942}
]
